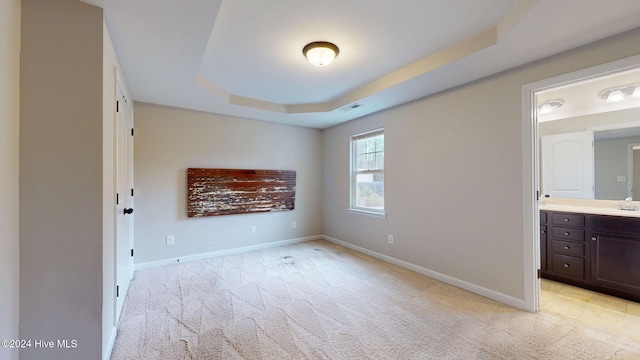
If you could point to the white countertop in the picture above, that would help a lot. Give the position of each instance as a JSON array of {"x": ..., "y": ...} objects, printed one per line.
[{"x": 598, "y": 207}]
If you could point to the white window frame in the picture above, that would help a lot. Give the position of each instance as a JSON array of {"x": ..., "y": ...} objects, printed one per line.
[{"x": 353, "y": 172}]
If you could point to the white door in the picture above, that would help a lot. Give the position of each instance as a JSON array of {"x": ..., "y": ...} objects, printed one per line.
[
  {"x": 567, "y": 165},
  {"x": 124, "y": 198}
]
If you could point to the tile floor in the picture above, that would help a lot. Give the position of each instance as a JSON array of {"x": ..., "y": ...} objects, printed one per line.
[{"x": 591, "y": 309}]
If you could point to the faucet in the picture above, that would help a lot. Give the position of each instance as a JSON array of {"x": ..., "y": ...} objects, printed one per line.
[{"x": 627, "y": 205}]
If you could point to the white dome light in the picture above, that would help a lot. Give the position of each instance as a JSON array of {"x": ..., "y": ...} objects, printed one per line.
[{"x": 320, "y": 53}]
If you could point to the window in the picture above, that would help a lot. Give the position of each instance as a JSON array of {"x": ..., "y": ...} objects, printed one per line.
[{"x": 367, "y": 172}]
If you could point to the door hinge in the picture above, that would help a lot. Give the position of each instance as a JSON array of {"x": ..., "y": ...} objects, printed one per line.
[
  {"x": 131, "y": 252},
  {"x": 117, "y": 199},
  {"x": 131, "y": 131},
  {"x": 539, "y": 274},
  {"x": 117, "y": 106},
  {"x": 131, "y": 192},
  {"x": 118, "y": 291}
]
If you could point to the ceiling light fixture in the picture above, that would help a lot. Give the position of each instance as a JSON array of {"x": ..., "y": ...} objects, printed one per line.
[
  {"x": 320, "y": 53},
  {"x": 550, "y": 106},
  {"x": 619, "y": 93}
]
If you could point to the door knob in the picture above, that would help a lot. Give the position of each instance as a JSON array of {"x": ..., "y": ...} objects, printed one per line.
[{"x": 128, "y": 211}]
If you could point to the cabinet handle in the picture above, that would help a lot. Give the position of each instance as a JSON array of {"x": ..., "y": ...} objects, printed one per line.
[
  {"x": 566, "y": 247},
  {"x": 593, "y": 238},
  {"x": 566, "y": 233},
  {"x": 543, "y": 232},
  {"x": 566, "y": 265},
  {"x": 566, "y": 219}
]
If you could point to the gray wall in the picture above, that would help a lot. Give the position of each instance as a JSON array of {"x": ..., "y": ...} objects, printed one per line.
[
  {"x": 61, "y": 175},
  {"x": 454, "y": 174},
  {"x": 9, "y": 167},
  {"x": 170, "y": 140}
]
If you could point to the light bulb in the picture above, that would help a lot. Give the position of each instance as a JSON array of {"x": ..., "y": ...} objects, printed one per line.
[
  {"x": 546, "y": 108},
  {"x": 615, "y": 96}
]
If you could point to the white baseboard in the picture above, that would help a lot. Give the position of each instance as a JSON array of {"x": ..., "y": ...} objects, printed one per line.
[
  {"x": 110, "y": 342},
  {"x": 482, "y": 291},
  {"x": 208, "y": 255}
]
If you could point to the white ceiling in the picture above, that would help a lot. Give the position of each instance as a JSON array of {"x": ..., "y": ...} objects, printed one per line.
[{"x": 244, "y": 57}]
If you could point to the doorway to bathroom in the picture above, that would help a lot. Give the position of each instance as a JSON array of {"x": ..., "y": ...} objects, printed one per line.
[{"x": 601, "y": 102}]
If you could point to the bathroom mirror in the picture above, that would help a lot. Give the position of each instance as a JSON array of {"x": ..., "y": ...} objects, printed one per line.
[{"x": 613, "y": 158}]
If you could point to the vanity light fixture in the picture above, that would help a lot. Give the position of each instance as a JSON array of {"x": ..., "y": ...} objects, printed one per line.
[
  {"x": 320, "y": 53},
  {"x": 619, "y": 93},
  {"x": 550, "y": 106},
  {"x": 615, "y": 96}
]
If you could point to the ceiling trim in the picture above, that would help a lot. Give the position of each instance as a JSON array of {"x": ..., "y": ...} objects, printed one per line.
[{"x": 423, "y": 66}]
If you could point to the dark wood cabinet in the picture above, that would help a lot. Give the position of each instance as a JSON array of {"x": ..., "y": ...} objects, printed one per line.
[
  {"x": 543, "y": 247},
  {"x": 615, "y": 261},
  {"x": 596, "y": 252},
  {"x": 543, "y": 241},
  {"x": 566, "y": 245}
]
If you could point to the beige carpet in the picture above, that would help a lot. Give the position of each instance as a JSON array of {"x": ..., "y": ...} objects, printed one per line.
[{"x": 317, "y": 300}]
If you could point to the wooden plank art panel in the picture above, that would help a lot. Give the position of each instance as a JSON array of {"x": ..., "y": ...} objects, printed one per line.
[{"x": 214, "y": 192}]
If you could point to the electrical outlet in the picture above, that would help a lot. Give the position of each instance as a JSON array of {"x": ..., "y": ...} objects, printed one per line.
[
  {"x": 390, "y": 239},
  {"x": 253, "y": 229},
  {"x": 171, "y": 240},
  {"x": 294, "y": 224}
]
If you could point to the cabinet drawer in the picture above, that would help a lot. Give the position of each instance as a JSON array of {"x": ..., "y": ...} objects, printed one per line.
[
  {"x": 616, "y": 225},
  {"x": 567, "y": 233},
  {"x": 567, "y": 265},
  {"x": 568, "y": 219},
  {"x": 568, "y": 248}
]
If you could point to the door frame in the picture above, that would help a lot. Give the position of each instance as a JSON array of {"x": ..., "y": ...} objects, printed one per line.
[{"x": 531, "y": 171}]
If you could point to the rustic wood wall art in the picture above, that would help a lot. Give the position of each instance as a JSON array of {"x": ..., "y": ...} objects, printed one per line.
[{"x": 214, "y": 192}]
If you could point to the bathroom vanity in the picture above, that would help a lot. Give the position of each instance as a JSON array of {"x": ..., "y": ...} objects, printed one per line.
[{"x": 594, "y": 247}]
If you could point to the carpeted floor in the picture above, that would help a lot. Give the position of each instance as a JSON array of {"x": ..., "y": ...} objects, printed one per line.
[{"x": 317, "y": 300}]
